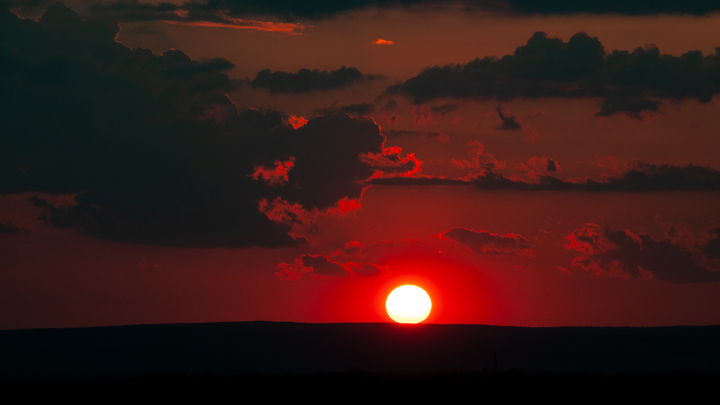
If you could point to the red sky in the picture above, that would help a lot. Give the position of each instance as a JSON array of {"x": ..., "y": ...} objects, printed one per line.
[{"x": 553, "y": 198}]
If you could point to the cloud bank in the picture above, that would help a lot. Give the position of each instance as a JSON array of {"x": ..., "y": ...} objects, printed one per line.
[
  {"x": 306, "y": 81},
  {"x": 292, "y": 10},
  {"x": 487, "y": 243},
  {"x": 639, "y": 177},
  {"x": 150, "y": 147},
  {"x": 629, "y": 82},
  {"x": 623, "y": 254},
  {"x": 324, "y": 266}
]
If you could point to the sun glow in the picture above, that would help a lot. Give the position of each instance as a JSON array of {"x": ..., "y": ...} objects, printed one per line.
[{"x": 408, "y": 304}]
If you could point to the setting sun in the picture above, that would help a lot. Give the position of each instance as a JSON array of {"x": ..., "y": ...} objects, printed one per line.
[{"x": 408, "y": 304}]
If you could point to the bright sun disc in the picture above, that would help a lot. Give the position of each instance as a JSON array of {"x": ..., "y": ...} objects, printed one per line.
[{"x": 408, "y": 304}]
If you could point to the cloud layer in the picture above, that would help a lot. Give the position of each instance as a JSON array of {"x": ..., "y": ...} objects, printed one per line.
[
  {"x": 8, "y": 228},
  {"x": 306, "y": 81},
  {"x": 150, "y": 145},
  {"x": 487, "y": 243},
  {"x": 623, "y": 254},
  {"x": 289, "y": 10},
  {"x": 629, "y": 82},
  {"x": 639, "y": 177},
  {"x": 626, "y": 7},
  {"x": 325, "y": 266}
]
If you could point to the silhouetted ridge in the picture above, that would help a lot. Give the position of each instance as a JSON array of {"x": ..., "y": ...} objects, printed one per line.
[{"x": 269, "y": 347}]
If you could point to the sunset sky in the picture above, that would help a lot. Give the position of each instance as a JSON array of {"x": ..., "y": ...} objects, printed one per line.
[{"x": 528, "y": 163}]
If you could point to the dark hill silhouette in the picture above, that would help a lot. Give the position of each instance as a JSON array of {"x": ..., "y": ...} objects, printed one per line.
[{"x": 276, "y": 347}]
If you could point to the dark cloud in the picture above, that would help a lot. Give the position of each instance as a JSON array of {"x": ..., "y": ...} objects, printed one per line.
[
  {"x": 630, "y": 82},
  {"x": 625, "y": 7},
  {"x": 366, "y": 269},
  {"x": 439, "y": 136},
  {"x": 327, "y": 163},
  {"x": 352, "y": 109},
  {"x": 210, "y": 14},
  {"x": 288, "y": 10},
  {"x": 306, "y": 81},
  {"x": 137, "y": 11},
  {"x": 508, "y": 122},
  {"x": 323, "y": 266},
  {"x": 390, "y": 163},
  {"x": 536, "y": 165},
  {"x": 632, "y": 106},
  {"x": 8, "y": 228},
  {"x": 350, "y": 249},
  {"x": 712, "y": 247},
  {"x": 291, "y": 10},
  {"x": 621, "y": 253},
  {"x": 419, "y": 180},
  {"x": 150, "y": 146},
  {"x": 484, "y": 242},
  {"x": 445, "y": 109},
  {"x": 639, "y": 177}
]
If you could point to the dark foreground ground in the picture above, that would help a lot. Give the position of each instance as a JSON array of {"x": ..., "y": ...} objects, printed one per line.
[
  {"x": 359, "y": 387},
  {"x": 274, "y": 357}
]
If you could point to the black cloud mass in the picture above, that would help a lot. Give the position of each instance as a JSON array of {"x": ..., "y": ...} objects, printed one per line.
[
  {"x": 306, "y": 80},
  {"x": 620, "y": 253},
  {"x": 8, "y": 228},
  {"x": 290, "y": 10},
  {"x": 626, "y": 7},
  {"x": 153, "y": 149},
  {"x": 352, "y": 109},
  {"x": 639, "y": 177},
  {"x": 630, "y": 82}
]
